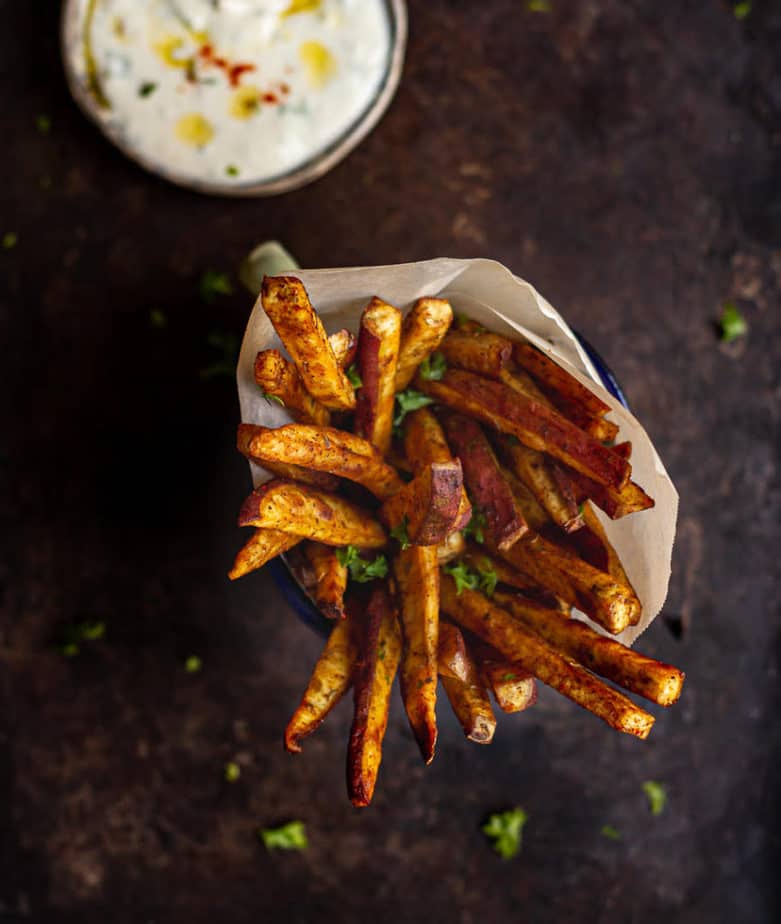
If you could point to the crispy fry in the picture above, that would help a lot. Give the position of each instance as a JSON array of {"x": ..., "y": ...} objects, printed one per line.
[
  {"x": 658, "y": 682},
  {"x": 616, "y": 503},
  {"x": 428, "y": 506},
  {"x": 344, "y": 343},
  {"x": 287, "y": 305},
  {"x": 513, "y": 687},
  {"x": 452, "y": 658},
  {"x": 600, "y": 428},
  {"x": 330, "y": 579},
  {"x": 479, "y": 560},
  {"x": 534, "y": 471},
  {"x": 323, "y": 449},
  {"x": 623, "y": 449},
  {"x": 594, "y": 547},
  {"x": 321, "y": 480},
  {"x": 330, "y": 680},
  {"x": 556, "y": 379},
  {"x": 452, "y": 547},
  {"x": 378, "y": 353},
  {"x": 533, "y": 512},
  {"x": 422, "y": 332},
  {"x": 522, "y": 559},
  {"x": 477, "y": 351},
  {"x": 424, "y": 442},
  {"x": 378, "y": 659},
  {"x": 487, "y": 487},
  {"x": 417, "y": 575},
  {"x": 469, "y": 700},
  {"x": 500, "y": 630},
  {"x": 532, "y": 422},
  {"x": 311, "y": 514},
  {"x": 278, "y": 377},
  {"x": 264, "y": 545},
  {"x": 523, "y": 383}
]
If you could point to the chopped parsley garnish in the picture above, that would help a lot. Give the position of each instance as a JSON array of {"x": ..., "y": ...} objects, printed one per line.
[
  {"x": 228, "y": 345},
  {"x": 488, "y": 580},
  {"x": 291, "y": 836},
  {"x": 506, "y": 828},
  {"x": 475, "y": 526},
  {"x": 269, "y": 397},
  {"x": 147, "y": 89},
  {"x": 232, "y": 771},
  {"x": 401, "y": 533},
  {"x": 741, "y": 10},
  {"x": 657, "y": 796},
  {"x": 406, "y": 401},
  {"x": 732, "y": 323},
  {"x": 433, "y": 367},
  {"x": 193, "y": 664},
  {"x": 10, "y": 240},
  {"x": 158, "y": 318},
  {"x": 353, "y": 377},
  {"x": 362, "y": 571},
  {"x": 538, "y": 6},
  {"x": 611, "y": 833},
  {"x": 232, "y": 170},
  {"x": 213, "y": 284},
  {"x": 508, "y": 677},
  {"x": 463, "y": 575},
  {"x": 43, "y": 123}
]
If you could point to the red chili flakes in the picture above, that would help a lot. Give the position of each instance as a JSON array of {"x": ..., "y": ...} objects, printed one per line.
[
  {"x": 233, "y": 72},
  {"x": 270, "y": 98}
]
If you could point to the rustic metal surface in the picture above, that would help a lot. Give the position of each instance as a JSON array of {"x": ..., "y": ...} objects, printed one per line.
[{"x": 624, "y": 157}]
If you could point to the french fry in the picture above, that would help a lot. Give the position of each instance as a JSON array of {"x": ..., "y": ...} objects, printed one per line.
[
  {"x": 556, "y": 379},
  {"x": 278, "y": 377},
  {"x": 479, "y": 560},
  {"x": 428, "y": 506},
  {"x": 523, "y": 383},
  {"x": 521, "y": 558},
  {"x": 469, "y": 701},
  {"x": 616, "y": 503},
  {"x": 534, "y": 513},
  {"x": 452, "y": 547},
  {"x": 422, "y": 332},
  {"x": 424, "y": 442},
  {"x": 344, "y": 343},
  {"x": 658, "y": 682},
  {"x": 417, "y": 576},
  {"x": 323, "y": 449},
  {"x": 514, "y": 688},
  {"x": 477, "y": 351},
  {"x": 321, "y": 480},
  {"x": 378, "y": 353},
  {"x": 330, "y": 579},
  {"x": 300, "y": 329},
  {"x": 520, "y": 646},
  {"x": 534, "y": 471},
  {"x": 330, "y": 680},
  {"x": 487, "y": 487},
  {"x": 623, "y": 449},
  {"x": 311, "y": 514},
  {"x": 532, "y": 422},
  {"x": 600, "y": 428},
  {"x": 594, "y": 547},
  {"x": 264, "y": 545},
  {"x": 378, "y": 658},
  {"x": 452, "y": 657}
]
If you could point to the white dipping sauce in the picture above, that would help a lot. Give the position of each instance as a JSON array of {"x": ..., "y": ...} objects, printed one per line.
[{"x": 237, "y": 90}]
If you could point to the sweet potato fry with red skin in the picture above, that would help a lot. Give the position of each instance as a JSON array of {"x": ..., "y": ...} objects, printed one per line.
[
  {"x": 300, "y": 329},
  {"x": 417, "y": 577},
  {"x": 533, "y": 512},
  {"x": 278, "y": 377},
  {"x": 531, "y": 422},
  {"x": 428, "y": 505},
  {"x": 331, "y": 679},
  {"x": 477, "y": 351},
  {"x": 521, "y": 558},
  {"x": 264, "y": 545},
  {"x": 557, "y": 379},
  {"x": 523, "y": 383},
  {"x": 379, "y": 651},
  {"x": 479, "y": 560},
  {"x": 452, "y": 657},
  {"x": 514, "y": 688},
  {"x": 661, "y": 683},
  {"x": 623, "y": 449},
  {"x": 469, "y": 701},
  {"x": 424, "y": 327},
  {"x": 330, "y": 579},
  {"x": 600, "y": 428},
  {"x": 616, "y": 503},
  {"x": 323, "y": 449},
  {"x": 378, "y": 354},
  {"x": 533, "y": 469},
  {"x": 424, "y": 442},
  {"x": 491, "y": 494},
  {"x": 515, "y": 642},
  {"x": 311, "y": 514}
]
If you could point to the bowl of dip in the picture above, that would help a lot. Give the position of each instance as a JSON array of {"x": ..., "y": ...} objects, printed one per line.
[{"x": 234, "y": 97}]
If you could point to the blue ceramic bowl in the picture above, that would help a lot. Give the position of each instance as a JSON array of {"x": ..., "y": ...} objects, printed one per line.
[{"x": 295, "y": 595}]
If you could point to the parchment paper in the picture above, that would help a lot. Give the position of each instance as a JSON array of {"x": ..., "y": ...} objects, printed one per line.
[{"x": 491, "y": 294}]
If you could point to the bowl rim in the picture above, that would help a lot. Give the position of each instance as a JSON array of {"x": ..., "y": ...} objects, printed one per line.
[{"x": 71, "y": 43}]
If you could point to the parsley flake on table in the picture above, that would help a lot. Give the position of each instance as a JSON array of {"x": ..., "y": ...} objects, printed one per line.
[
  {"x": 741, "y": 10},
  {"x": 291, "y": 836},
  {"x": 43, "y": 123},
  {"x": 75, "y": 635},
  {"x": 475, "y": 526},
  {"x": 228, "y": 345},
  {"x": 433, "y": 368},
  {"x": 10, "y": 240},
  {"x": 232, "y": 771},
  {"x": 463, "y": 575},
  {"x": 657, "y": 796},
  {"x": 213, "y": 284},
  {"x": 362, "y": 571},
  {"x": 611, "y": 833},
  {"x": 506, "y": 828},
  {"x": 158, "y": 318},
  {"x": 538, "y": 6},
  {"x": 353, "y": 377},
  {"x": 732, "y": 323},
  {"x": 401, "y": 534},
  {"x": 406, "y": 401},
  {"x": 193, "y": 664}
]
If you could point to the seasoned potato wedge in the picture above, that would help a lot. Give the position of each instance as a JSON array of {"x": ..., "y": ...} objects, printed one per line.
[
  {"x": 422, "y": 332},
  {"x": 452, "y": 547},
  {"x": 469, "y": 700},
  {"x": 278, "y": 377},
  {"x": 427, "y": 508},
  {"x": 514, "y": 688},
  {"x": 344, "y": 343},
  {"x": 378, "y": 354},
  {"x": 477, "y": 351},
  {"x": 264, "y": 545},
  {"x": 452, "y": 657},
  {"x": 616, "y": 503},
  {"x": 330, "y": 579},
  {"x": 300, "y": 329}
]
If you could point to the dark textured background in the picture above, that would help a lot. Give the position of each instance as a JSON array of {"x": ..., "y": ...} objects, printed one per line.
[{"x": 621, "y": 155}]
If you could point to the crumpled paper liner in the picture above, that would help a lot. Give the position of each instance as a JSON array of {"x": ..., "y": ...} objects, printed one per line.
[{"x": 491, "y": 294}]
